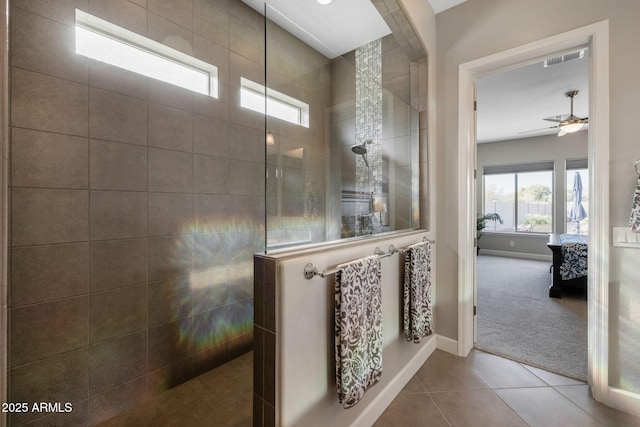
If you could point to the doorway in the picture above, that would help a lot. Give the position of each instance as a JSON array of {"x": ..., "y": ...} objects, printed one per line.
[
  {"x": 594, "y": 36},
  {"x": 522, "y": 160}
]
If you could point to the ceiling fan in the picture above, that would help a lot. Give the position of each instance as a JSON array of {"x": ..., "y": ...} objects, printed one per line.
[{"x": 566, "y": 123}]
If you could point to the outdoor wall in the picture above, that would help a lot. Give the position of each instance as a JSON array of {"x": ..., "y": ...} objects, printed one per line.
[
  {"x": 536, "y": 149},
  {"x": 479, "y": 28}
]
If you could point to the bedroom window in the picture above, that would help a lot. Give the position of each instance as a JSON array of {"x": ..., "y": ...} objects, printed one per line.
[
  {"x": 577, "y": 218},
  {"x": 106, "y": 42},
  {"x": 522, "y": 195}
]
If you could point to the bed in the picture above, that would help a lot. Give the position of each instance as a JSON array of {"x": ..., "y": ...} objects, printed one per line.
[{"x": 569, "y": 266}]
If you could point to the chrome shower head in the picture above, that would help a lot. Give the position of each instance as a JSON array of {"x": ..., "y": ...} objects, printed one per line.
[
  {"x": 362, "y": 150},
  {"x": 359, "y": 149}
]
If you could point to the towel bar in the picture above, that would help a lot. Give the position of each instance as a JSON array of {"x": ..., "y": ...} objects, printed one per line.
[
  {"x": 424, "y": 239},
  {"x": 310, "y": 270},
  {"x": 382, "y": 254}
]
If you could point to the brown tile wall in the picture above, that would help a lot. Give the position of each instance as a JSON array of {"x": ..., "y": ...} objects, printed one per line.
[
  {"x": 264, "y": 344},
  {"x": 135, "y": 207}
]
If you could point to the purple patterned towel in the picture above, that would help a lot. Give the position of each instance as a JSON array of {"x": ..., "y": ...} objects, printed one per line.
[
  {"x": 417, "y": 292},
  {"x": 358, "y": 338}
]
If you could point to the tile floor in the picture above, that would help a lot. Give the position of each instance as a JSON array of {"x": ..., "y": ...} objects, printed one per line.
[
  {"x": 479, "y": 390},
  {"x": 487, "y": 390},
  {"x": 222, "y": 397}
]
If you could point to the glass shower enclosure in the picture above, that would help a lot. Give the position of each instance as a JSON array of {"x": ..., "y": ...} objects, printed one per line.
[{"x": 341, "y": 136}]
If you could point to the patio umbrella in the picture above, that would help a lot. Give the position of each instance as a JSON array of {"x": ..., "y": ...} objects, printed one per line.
[{"x": 577, "y": 212}]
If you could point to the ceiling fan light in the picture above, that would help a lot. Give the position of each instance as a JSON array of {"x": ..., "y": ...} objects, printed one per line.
[{"x": 571, "y": 127}]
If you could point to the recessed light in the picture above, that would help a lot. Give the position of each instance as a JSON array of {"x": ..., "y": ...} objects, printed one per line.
[{"x": 324, "y": 1}]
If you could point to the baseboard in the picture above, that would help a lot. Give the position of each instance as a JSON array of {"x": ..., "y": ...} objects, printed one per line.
[
  {"x": 625, "y": 401},
  {"x": 447, "y": 344},
  {"x": 401, "y": 376},
  {"x": 525, "y": 255}
]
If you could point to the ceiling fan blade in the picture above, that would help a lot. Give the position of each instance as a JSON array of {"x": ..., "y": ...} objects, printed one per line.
[
  {"x": 537, "y": 130},
  {"x": 558, "y": 119}
]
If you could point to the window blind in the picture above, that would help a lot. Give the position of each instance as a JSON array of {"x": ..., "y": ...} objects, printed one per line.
[
  {"x": 577, "y": 164},
  {"x": 519, "y": 168}
]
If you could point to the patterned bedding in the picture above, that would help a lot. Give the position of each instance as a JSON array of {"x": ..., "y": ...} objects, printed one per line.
[{"x": 574, "y": 256}]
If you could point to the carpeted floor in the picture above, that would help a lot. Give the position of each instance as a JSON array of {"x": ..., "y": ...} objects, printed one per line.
[{"x": 518, "y": 320}]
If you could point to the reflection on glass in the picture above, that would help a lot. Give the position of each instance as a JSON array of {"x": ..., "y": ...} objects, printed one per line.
[{"x": 355, "y": 171}]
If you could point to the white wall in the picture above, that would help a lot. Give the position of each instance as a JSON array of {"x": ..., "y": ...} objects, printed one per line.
[
  {"x": 305, "y": 371},
  {"x": 479, "y": 28}
]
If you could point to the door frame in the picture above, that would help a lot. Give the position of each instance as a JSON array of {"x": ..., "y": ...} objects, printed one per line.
[{"x": 596, "y": 37}]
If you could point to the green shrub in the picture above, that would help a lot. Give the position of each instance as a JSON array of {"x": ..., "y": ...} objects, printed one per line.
[{"x": 537, "y": 219}]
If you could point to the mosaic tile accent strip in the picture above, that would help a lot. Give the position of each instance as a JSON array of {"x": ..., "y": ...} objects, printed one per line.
[{"x": 368, "y": 123}]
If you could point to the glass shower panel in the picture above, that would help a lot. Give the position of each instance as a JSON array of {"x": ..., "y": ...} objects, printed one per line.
[
  {"x": 298, "y": 76},
  {"x": 349, "y": 168}
]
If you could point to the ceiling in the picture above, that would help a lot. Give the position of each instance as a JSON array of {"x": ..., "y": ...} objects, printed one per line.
[
  {"x": 440, "y": 5},
  {"x": 509, "y": 103},
  {"x": 516, "y": 101},
  {"x": 336, "y": 28},
  {"x": 333, "y": 29}
]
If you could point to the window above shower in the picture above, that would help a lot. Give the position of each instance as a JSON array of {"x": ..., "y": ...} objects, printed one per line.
[
  {"x": 109, "y": 43},
  {"x": 274, "y": 103}
]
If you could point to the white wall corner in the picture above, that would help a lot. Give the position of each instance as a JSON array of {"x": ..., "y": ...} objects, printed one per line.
[{"x": 447, "y": 344}]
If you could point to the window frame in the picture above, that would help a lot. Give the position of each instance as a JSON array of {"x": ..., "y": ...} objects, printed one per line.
[
  {"x": 275, "y": 96},
  {"x": 547, "y": 166},
  {"x": 130, "y": 39}
]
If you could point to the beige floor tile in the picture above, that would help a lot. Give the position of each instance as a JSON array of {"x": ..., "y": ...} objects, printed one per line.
[
  {"x": 497, "y": 372},
  {"x": 411, "y": 409},
  {"x": 581, "y": 396},
  {"x": 475, "y": 408},
  {"x": 445, "y": 392},
  {"x": 414, "y": 386},
  {"x": 551, "y": 378},
  {"x": 447, "y": 373},
  {"x": 545, "y": 407}
]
